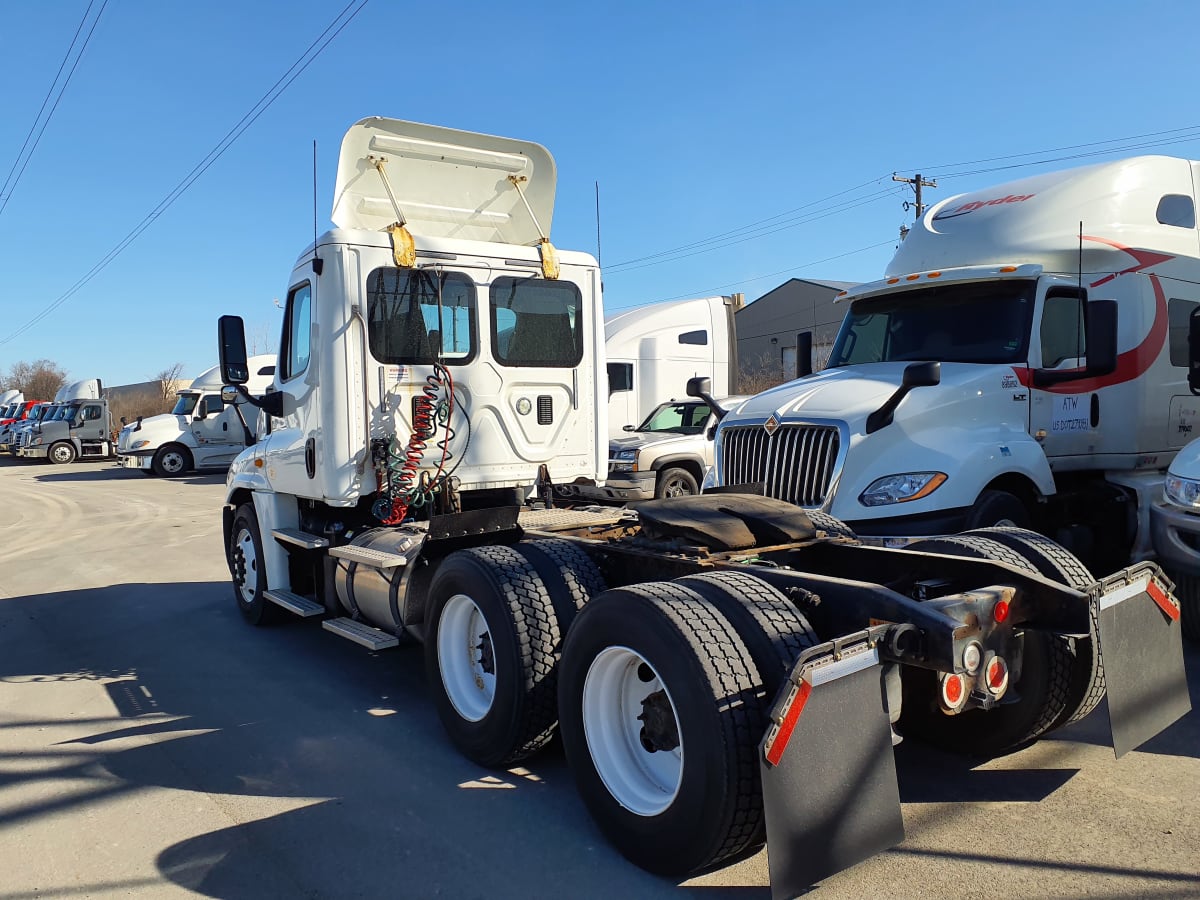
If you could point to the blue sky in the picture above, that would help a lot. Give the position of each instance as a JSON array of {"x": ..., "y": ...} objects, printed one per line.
[{"x": 775, "y": 125}]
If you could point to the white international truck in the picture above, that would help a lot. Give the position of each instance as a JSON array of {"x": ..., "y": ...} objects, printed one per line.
[
  {"x": 202, "y": 431},
  {"x": 1023, "y": 362},
  {"x": 79, "y": 428},
  {"x": 654, "y": 349},
  {"x": 10, "y": 433},
  {"x": 720, "y": 667}
]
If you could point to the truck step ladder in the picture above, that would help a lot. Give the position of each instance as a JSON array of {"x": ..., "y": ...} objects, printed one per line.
[
  {"x": 299, "y": 538},
  {"x": 360, "y": 633},
  {"x": 368, "y": 557},
  {"x": 301, "y": 606}
]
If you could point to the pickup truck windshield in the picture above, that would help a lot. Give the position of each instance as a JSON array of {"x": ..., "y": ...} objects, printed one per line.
[
  {"x": 185, "y": 404},
  {"x": 677, "y": 418},
  {"x": 977, "y": 322}
]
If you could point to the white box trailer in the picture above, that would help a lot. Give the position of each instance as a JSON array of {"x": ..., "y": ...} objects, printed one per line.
[
  {"x": 654, "y": 349},
  {"x": 717, "y": 665},
  {"x": 1023, "y": 362},
  {"x": 202, "y": 431}
]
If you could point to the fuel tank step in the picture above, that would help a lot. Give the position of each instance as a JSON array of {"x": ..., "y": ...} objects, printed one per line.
[
  {"x": 368, "y": 557},
  {"x": 301, "y": 606},
  {"x": 299, "y": 538},
  {"x": 365, "y": 635}
]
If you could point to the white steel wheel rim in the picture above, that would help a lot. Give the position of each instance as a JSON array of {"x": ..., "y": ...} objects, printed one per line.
[
  {"x": 61, "y": 453},
  {"x": 462, "y": 633},
  {"x": 248, "y": 577},
  {"x": 172, "y": 461},
  {"x": 643, "y": 781}
]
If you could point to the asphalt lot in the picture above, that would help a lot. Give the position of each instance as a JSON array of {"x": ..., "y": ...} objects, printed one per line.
[{"x": 154, "y": 745}]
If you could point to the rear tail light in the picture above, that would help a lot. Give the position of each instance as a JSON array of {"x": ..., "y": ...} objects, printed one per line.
[
  {"x": 953, "y": 694},
  {"x": 1000, "y": 610},
  {"x": 995, "y": 675}
]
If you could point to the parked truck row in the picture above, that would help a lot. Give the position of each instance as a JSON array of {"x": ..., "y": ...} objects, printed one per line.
[{"x": 725, "y": 669}]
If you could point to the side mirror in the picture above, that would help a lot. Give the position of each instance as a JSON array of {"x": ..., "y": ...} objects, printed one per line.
[
  {"x": 700, "y": 387},
  {"x": 804, "y": 360},
  {"x": 123, "y": 422},
  {"x": 231, "y": 345},
  {"x": 629, "y": 428},
  {"x": 921, "y": 374},
  {"x": 229, "y": 394}
]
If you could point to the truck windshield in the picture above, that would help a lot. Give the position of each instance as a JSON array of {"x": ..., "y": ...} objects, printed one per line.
[
  {"x": 979, "y": 322},
  {"x": 676, "y": 418},
  {"x": 185, "y": 404},
  {"x": 68, "y": 412}
]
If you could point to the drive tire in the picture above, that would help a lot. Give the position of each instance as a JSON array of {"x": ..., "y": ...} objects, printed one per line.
[
  {"x": 499, "y": 706},
  {"x": 679, "y": 813},
  {"x": 570, "y": 575},
  {"x": 171, "y": 461},
  {"x": 247, "y": 566},
  {"x": 993, "y": 508},
  {"x": 674, "y": 481},
  {"x": 61, "y": 453},
  {"x": 773, "y": 630},
  {"x": 1059, "y": 564},
  {"x": 1043, "y": 688}
]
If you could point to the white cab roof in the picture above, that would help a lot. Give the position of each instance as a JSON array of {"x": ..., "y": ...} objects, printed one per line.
[{"x": 448, "y": 183}]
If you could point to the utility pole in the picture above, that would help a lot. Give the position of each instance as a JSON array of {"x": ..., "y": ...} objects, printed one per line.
[{"x": 918, "y": 182}]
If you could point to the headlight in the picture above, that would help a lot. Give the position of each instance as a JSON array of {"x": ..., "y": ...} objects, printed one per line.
[
  {"x": 622, "y": 460},
  {"x": 138, "y": 445},
  {"x": 623, "y": 456},
  {"x": 901, "y": 488},
  {"x": 1183, "y": 491}
]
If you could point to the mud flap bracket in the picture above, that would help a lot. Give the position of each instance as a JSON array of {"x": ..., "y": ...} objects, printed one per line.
[
  {"x": 828, "y": 774},
  {"x": 1141, "y": 646}
]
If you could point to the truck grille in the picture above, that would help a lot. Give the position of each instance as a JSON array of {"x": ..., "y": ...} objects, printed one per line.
[{"x": 795, "y": 464}]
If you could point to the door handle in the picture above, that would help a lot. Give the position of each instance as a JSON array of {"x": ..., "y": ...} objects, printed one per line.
[{"x": 310, "y": 457}]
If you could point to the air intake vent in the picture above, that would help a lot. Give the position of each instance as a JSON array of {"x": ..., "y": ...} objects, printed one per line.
[{"x": 545, "y": 410}]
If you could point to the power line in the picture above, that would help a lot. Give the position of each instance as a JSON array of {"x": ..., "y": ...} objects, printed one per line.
[
  {"x": 10, "y": 182},
  {"x": 273, "y": 94}
]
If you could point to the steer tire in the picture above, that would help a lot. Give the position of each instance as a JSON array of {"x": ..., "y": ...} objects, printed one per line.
[
  {"x": 517, "y": 716},
  {"x": 171, "y": 461},
  {"x": 710, "y": 809},
  {"x": 61, "y": 453},
  {"x": 1042, "y": 691},
  {"x": 247, "y": 566},
  {"x": 833, "y": 527},
  {"x": 1059, "y": 564},
  {"x": 674, "y": 481}
]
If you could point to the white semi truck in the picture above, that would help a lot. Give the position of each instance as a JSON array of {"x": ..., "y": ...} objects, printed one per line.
[
  {"x": 1023, "y": 362},
  {"x": 720, "y": 667},
  {"x": 79, "y": 428},
  {"x": 202, "y": 431},
  {"x": 654, "y": 349}
]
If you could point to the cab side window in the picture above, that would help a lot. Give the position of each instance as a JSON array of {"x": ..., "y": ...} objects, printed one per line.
[
  {"x": 1062, "y": 329},
  {"x": 297, "y": 324},
  {"x": 91, "y": 413}
]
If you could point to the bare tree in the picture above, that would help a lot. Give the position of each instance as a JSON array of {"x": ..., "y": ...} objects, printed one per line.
[
  {"x": 168, "y": 382},
  {"x": 259, "y": 338},
  {"x": 38, "y": 380}
]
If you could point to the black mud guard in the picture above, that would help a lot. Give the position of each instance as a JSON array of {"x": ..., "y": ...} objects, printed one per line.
[
  {"x": 828, "y": 773},
  {"x": 1141, "y": 646}
]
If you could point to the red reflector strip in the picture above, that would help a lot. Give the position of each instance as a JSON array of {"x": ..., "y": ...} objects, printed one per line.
[
  {"x": 790, "y": 717},
  {"x": 1159, "y": 596}
]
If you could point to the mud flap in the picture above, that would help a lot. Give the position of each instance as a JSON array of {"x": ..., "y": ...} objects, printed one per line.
[
  {"x": 828, "y": 774},
  {"x": 1141, "y": 646}
]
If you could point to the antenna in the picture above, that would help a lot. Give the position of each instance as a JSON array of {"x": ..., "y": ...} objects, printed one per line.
[
  {"x": 597, "y": 222},
  {"x": 317, "y": 263},
  {"x": 1082, "y": 300}
]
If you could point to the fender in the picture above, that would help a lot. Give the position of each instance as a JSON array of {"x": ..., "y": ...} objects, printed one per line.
[
  {"x": 678, "y": 458},
  {"x": 970, "y": 458}
]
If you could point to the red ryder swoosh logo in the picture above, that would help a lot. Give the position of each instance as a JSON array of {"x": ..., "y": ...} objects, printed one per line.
[{"x": 980, "y": 204}]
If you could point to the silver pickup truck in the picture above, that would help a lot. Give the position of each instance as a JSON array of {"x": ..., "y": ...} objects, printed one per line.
[{"x": 665, "y": 456}]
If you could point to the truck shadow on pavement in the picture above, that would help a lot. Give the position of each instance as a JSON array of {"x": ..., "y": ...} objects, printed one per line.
[{"x": 344, "y": 782}]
